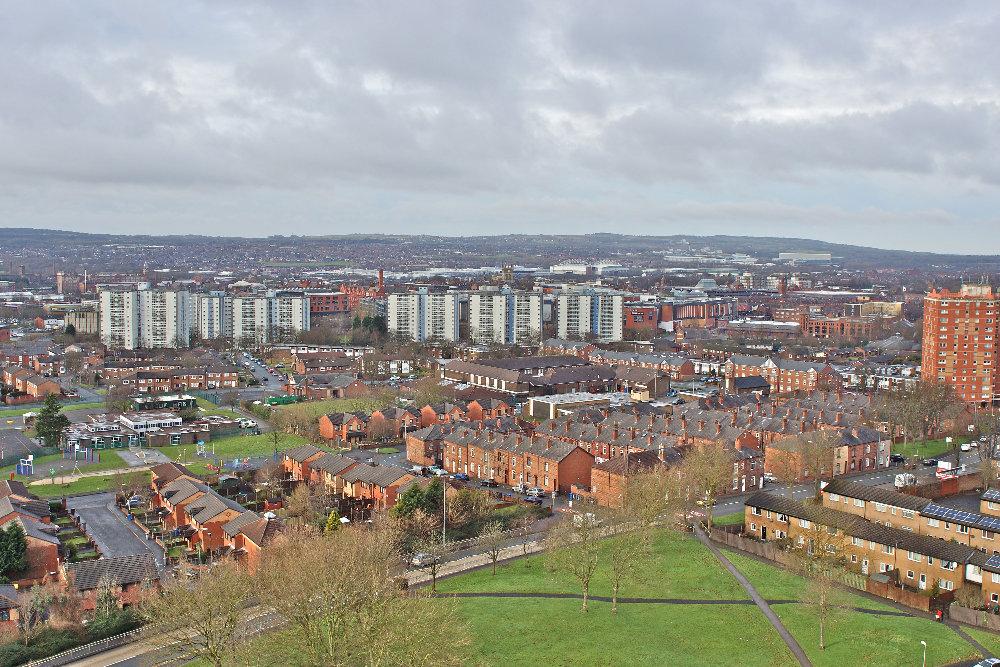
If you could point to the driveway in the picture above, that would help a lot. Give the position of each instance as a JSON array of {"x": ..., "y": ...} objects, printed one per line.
[{"x": 111, "y": 530}]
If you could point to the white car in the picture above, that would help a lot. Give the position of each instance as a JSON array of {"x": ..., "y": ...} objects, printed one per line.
[
  {"x": 965, "y": 447},
  {"x": 770, "y": 478},
  {"x": 535, "y": 492}
]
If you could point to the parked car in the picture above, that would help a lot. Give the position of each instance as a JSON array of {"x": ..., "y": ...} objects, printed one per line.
[
  {"x": 418, "y": 470},
  {"x": 897, "y": 458},
  {"x": 520, "y": 488},
  {"x": 439, "y": 472},
  {"x": 489, "y": 483},
  {"x": 423, "y": 559},
  {"x": 534, "y": 500},
  {"x": 965, "y": 447},
  {"x": 535, "y": 492},
  {"x": 460, "y": 476},
  {"x": 930, "y": 462},
  {"x": 770, "y": 478}
]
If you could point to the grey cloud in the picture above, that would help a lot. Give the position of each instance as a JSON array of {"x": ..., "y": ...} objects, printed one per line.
[{"x": 493, "y": 108}]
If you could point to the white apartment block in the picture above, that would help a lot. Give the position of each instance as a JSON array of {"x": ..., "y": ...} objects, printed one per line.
[
  {"x": 289, "y": 314},
  {"x": 163, "y": 318},
  {"x": 119, "y": 318},
  {"x": 591, "y": 313},
  {"x": 214, "y": 315},
  {"x": 422, "y": 316},
  {"x": 251, "y": 320},
  {"x": 504, "y": 316}
]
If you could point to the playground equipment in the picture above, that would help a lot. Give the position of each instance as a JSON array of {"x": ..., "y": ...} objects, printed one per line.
[
  {"x": 78, "y": 453},
  {"x": 202, "y": 450},
  {"x": 26, "y": 466}
]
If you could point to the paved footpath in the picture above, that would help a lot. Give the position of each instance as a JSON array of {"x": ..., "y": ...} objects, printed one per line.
[{"x": 786, "y": 636}]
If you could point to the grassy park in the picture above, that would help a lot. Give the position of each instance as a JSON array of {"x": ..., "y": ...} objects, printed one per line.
[
  {"x": 922, "y": 449},
  {"x": 678, "y": 567}
]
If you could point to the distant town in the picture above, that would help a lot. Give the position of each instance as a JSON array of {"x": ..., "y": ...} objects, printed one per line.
[{"x": 210, "y": 433}]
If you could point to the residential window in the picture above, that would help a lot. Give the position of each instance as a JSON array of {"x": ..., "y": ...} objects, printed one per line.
[
  {"x": 858, "y": 502},
  {"x": 803, "y": 523},
  {"x": 912, "y": 555},
  {"x": 995, "y": 577},
  {"x": 834, "y": 498},
  {"x": 887, "y": 549},
  {"x": 879, "y": 507},
  {"x": 753, "y": 526},
  {"x": 857, "y": 541},
  {"x": 964, "y": 530},
  {"x": 946, "y": 585},
  {"x": 909, "y": 574},
  {"x": 755, "y": 511},
  {"x": 987, "y": 535},
  {"x": 933, "y": 523},
  {"x": 907, "y": 514}
]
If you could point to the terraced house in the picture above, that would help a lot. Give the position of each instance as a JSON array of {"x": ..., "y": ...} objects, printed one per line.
[
  {"x": 919, "y": 561},
  {"x": 515, "y": 458}
]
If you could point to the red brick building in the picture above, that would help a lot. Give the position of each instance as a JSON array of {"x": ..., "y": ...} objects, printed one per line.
[{"x": 960, "y": 341}]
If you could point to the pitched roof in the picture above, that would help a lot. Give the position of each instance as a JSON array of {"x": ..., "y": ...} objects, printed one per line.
[
  {"x": 855, "y": 526},
  {"x": 168, "y": 472},
  {"x": 332, "y": 463},
  {"x": 121, "y": 570},
  {"x": 375, "y": 475},
  {"x": 875, "y": 494},
  {"x": 301, "y": 453}
]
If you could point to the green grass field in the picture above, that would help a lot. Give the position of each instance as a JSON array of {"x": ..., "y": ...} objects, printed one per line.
[
  {"x": 18, "y": 411},
  {"x": 316, "y": 409},
  {"x": 109, "y": 461},
  {"x": 520, "y": 631},
  {"x": 85, "y": 485},
  {"x": 238, "y": 446},
  {"x": 728, "y": 520},
  {"x": 921, "y": 449}
]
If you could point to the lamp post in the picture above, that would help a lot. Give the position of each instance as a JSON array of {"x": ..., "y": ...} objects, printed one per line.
[{"x": 924, "y": 644}]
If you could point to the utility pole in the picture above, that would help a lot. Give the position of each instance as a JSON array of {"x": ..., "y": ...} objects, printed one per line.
[{"x": 444, "y": 511}]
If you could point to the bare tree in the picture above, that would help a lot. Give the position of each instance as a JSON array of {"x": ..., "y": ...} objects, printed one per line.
[
  {"x": 492, "y": 539},
  {"x": 708, "y": 470},
  {"x": 810, "y": 455},
  {"x": 354, "y": 613},
  {"x": 626, "y": 550},
  {"x": 204, "y": 616},
  {"x": 574, "y": 548},
  {"x": 819, "y": 556}
]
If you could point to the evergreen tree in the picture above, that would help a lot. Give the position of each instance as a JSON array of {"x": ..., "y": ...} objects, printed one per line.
[
  {"x": 50, "y": 422},
  {"x": 13, "y": 550},
  {"x": 332, "y": 521},
  {"x": 70, "y": 330},
  {"x": 408, "y": 503}
]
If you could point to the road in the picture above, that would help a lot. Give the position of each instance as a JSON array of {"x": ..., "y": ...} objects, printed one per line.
[
  {"x": 734, "y": 504},
  {"x": 111, "y": 530}
]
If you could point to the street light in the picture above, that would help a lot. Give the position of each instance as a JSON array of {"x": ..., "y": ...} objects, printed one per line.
[{"x": 924, "y": 644}]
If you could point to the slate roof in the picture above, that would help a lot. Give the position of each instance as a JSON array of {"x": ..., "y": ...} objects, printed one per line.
[
  {"x": 332, "y": 463},
  {"x": 376, "y": 475},
  {"x": 168, "y": 472},
  {"x": 122, "y": 570},
  {"x": 855, "y": 526},
  {"x": 875, "y": 494},
  {"x": 301, "y": 453}
]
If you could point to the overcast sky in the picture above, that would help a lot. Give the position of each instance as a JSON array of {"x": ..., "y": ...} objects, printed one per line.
[{"x": 861, "y": 122}]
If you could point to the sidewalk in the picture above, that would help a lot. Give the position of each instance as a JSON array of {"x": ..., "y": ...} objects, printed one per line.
[{"x": 467, "y": 563}]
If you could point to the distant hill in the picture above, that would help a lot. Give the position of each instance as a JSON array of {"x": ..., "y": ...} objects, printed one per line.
[{"x": 521, "y": 246}]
